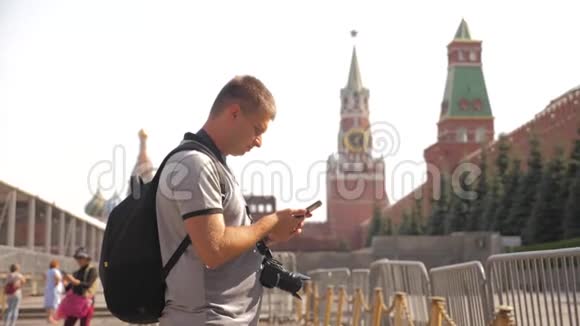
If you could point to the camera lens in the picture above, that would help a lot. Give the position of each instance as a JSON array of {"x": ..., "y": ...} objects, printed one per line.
[{"x": 290, "y": 282}]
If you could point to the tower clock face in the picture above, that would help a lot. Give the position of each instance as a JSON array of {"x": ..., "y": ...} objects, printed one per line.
[{"x": 356, "y": 140}]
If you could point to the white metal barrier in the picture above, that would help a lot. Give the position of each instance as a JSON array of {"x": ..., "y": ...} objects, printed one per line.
[
  {"x": 542, "y": 286},
  {"x": 359, "y": 278},
  {"x": 325, "y": 277},
  {"x": 464, "y": 288},
  {"x": 404, "y": 276}
]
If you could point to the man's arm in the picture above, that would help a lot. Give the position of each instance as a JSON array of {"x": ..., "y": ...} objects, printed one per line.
[
  {"x": 215, "y": 243},
  {"x": 193, "y": 184}
]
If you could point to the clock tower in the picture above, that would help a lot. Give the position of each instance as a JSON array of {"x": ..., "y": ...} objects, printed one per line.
[{"x": 355, "y": 179}]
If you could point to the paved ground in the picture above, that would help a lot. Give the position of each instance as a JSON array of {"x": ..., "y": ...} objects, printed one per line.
[
  {"x": 31, "y": 313},
  {"x": 96, "y": 321},
  {"x": 30, "y": 302}
]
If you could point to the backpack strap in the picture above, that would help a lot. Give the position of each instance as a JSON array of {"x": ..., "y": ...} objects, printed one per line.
[{"x": 190, "y": 145}]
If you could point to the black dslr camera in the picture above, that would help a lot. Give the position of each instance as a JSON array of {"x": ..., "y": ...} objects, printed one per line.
[{"x": 275, "y": 275}]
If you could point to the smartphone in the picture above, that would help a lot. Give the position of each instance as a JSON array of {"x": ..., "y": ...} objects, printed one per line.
[
  {"x": 314, "y": 206},
  {"x": 310, "y": 208}
]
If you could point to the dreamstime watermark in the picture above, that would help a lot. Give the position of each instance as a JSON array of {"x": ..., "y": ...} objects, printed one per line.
[
  {"x": 386, "y": 139},
  {"x": 109, "y": 175},
  {"x": 343, "y": 177}
]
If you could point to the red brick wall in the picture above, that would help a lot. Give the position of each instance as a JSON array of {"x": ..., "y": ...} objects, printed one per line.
[
  {"x": 555, "y": 125},
  {"x": 346, "y": 214}
]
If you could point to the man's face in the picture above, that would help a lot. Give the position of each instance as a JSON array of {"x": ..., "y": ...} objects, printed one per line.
[{"x": 247, "y": 132}]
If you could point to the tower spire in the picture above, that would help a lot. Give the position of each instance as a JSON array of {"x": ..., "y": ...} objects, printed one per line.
[
  {"x": 462, "y": 32},
  {"x": 354, "y": 79},
  {"x": 143, "y": 167}
]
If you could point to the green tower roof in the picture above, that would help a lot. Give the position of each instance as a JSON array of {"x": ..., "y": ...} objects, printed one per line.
[
  {"x": 463, "y": 31},
  {"x": 465, "y": 94}
]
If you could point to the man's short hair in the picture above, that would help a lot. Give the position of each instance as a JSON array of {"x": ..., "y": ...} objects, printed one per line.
[
  {"x": 13, "y": 268},
  {"x": 249, "y": 92}
]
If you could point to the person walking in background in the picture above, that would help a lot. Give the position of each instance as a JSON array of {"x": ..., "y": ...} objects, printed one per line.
[
  {"x": 52, "y": 290},
  {"x": 13, "y": 293},
  {"x": 79, "y": 301}
]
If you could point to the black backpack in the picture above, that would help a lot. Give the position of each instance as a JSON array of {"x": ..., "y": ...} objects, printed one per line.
[{"x": 131, "y": 270}]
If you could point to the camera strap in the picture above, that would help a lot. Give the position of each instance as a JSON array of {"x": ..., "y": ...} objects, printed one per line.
[
  {"x": 261, "y": 245},
  {"x": 263, "y": 249}
]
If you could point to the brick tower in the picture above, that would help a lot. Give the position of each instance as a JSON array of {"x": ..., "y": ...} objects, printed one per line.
[
  {"x": 465, "y": 121},
  {"x": 355, "y": 180}
]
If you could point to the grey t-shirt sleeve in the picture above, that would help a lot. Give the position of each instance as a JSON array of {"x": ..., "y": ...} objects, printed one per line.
[{"x": 195, "y": 186}]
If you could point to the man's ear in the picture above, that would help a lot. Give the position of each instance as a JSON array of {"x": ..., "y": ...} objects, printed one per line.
[{"x": 234, "y": 110}]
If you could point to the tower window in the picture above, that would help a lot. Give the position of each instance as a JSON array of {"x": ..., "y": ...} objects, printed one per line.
[
  {"x": 472, "y": 56},
  {"x": 477, "y": 105},
  {"x": 480, "y": 135},
  {"x": 463, "y": 104},
  {"x": 462, "y": 135}
]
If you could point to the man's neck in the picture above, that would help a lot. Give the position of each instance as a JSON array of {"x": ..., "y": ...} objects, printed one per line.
[{"x": 214, "y": 134}]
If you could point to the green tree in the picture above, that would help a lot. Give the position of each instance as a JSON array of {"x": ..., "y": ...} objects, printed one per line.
[
  {"x": 376, "y": 225},
  {"x": 475, "y": 220},
  {"x": 439, "y": 209},
  {"x": 574, "y": 162},
  {"x": 417, "y": 217},
  {"x": 502, "y": 160},
  {"x": 545, "y": 223},
  {"x": 405, "y": 224},
  {"x": 573, "y": 165},
  {"x": 490, "y": 205},
  {"x": 528, "y": 191},
  {"x": 388, "y": 226},
  {"x": 571, "y": 224},
  {"x": 507, "y": 197},
  {"x": 460, "y": 204},
  {"x": 409, "y": 225},
  {"x": 499, "y": 185}
]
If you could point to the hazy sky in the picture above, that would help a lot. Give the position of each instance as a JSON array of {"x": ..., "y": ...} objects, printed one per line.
[{"x": 79, "y": 78}]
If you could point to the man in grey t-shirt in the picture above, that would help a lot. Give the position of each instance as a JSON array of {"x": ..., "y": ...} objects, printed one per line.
[{"x": 216, "y": 281}]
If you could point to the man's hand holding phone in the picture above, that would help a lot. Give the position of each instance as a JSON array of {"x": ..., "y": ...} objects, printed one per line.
[{"x": 291, "y": 222}]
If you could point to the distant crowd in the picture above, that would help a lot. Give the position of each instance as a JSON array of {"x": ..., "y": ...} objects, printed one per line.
[{"x": 68, "y": 297}]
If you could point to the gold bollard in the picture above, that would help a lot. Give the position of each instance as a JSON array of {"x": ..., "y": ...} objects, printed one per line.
[
  {"x": 377, "y": 307},
  {"x": 341, "y": 299},
  {"x": 328, "y": 307},
  {"x": 436, "y": 318},
  {"x": 315, "y": 306},
  {"x": 399, "y": 308},
  {"x": 504, "y": 317},
  {"x": 308, "y": 299},
  {"x": 358, "y": 306},
  {"x": 298, "y": 306}
]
